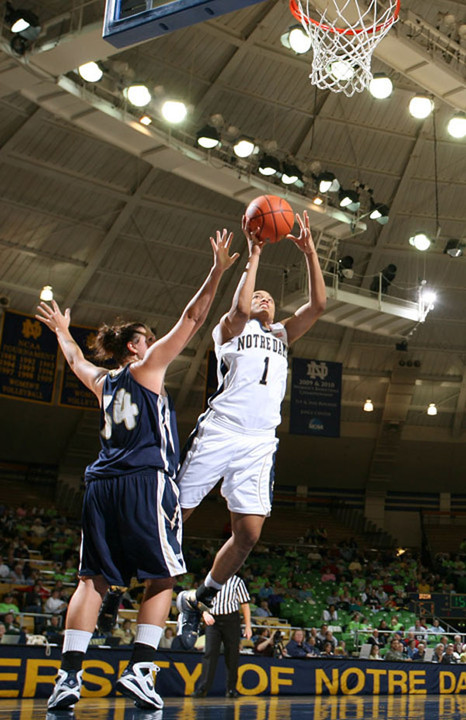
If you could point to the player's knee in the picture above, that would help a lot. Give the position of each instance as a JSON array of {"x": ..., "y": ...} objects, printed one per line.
[{"x": 247, "y": 538}]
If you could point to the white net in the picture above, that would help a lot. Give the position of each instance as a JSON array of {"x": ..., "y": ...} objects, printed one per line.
[{"x": 343, "y": 40}]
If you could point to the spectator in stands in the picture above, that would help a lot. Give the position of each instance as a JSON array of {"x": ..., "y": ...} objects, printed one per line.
[
  {"x": 12, "y": 627},
  {"x": 125, "y": 633},
  {"x": 375, "y": 638},
  {"x": 344, "y": 600},
  {"x": 372, "y": 600},
  {"x": 264, "y": 643},
  {"x": 436, "y": 627},
  {"x": 395, "y": 652},
  {"x": 463, "y": 655},
  {"x": 419, "y": 655},
  {"x": 37, "y": 529},
  {"x": 384, "y": 633},
  {"x": 8, "y": 604},
  {"x": 329, "y": 637},
  {"x": 55, "y": 605},
  {"x": 320, "y": 636},
  {"x": 410, "y": 647},
  {"x": 4, "y": 569},
  {"x": 297, "y": 647},
  {"x": 330, "y": 615},
  {"x": 17, "y": 576},
  {"x": 419, "y": 630},
  {"x": 374, "y": 653},
  {"x": 2, "y": 631},
  {"x": 458, "y": 646},
  {"x": 355, "y": 566},
  {"x": 327, "y": 650},
  {"x": 263, "y": 610},
  {"x": 53, "y": 631},
  {"x": 167, "y": 638},
  {"x": 449, "y": 657}
]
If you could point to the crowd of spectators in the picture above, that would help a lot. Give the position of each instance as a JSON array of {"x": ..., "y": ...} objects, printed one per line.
[{"x": 343, "y": 596}]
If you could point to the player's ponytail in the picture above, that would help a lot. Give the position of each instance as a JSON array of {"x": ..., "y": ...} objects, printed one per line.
[{"x": 112, "y": 341}]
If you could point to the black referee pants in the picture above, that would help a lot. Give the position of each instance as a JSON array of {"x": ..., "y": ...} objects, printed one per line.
[{"x": 226, "y": 629}]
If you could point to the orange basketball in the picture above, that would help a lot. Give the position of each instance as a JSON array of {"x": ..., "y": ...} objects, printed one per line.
[{"x": 272, "y": 215}]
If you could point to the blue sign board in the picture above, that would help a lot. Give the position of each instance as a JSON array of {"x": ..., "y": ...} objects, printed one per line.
[
  {"x": 28, "y": 359},
  {"x": 73, "y": 392},
  {"x": 315, "y": 398},
  {"x": 128, "y": 22}
]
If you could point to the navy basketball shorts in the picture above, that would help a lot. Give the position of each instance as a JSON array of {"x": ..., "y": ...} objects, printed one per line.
[{"x": 131, "y": 527}]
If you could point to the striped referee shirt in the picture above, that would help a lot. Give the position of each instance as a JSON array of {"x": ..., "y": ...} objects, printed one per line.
[{"x": 233, "y": 594}]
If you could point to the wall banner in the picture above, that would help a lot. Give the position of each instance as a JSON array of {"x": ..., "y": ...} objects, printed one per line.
[
  {"x": 27, "y": 672},
  {"x": 28, "y": 359},
  {"x": 315, "y": 397}
]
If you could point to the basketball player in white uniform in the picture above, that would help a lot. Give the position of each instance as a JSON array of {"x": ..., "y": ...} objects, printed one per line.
[{"x": 235, "y": 439}]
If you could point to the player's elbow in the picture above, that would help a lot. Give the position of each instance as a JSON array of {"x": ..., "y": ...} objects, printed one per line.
[{"x": 319, "y": 306}]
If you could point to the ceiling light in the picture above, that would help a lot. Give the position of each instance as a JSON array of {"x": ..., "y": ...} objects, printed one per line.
[
  {"x": 290, "y": 174},
  {"x": 457, "y": 126},
  {"x": 368, "y": 405},
  {"x": 317, "y": 200},
  {"x": 429, "y": 297},
  {"x": 145, "y": 120},
  {"x": 421, "y": 106},
  {"x": 327, "y": 182},
  {"x": 46, "y": 293},
  {"x": 380, "y": 87},
  {"x": 349, "y": 199},
  {"x": 380, "y": 213},
  {"x": 208, "y": 137},
  {"x": 22, "y": 22},
  {"x": 454, "y": 248},
  {"x": 432, "y": 409},
  {"x": 138, "y": 95},
  {"x": 268, "y": 165},
  {"x": 341, "y": 70},
  {"x": 90, "y": 72},
  {"x": 381, "y": 281},
  {"x": 244, "y": 147},
  {"x": 296, "y": 39},
  {"x": 420, "y": 241},
  {"x": 174, "y": 111},
  {"x": 345, "y": 268}
]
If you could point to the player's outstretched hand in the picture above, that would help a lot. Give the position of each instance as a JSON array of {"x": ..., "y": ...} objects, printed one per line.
[
  {"x": 221, "y": 248},
  {"x": 304, "y": 241},
  {"x": 252, "y": 236},
  {"x": 53, "y": 317}
]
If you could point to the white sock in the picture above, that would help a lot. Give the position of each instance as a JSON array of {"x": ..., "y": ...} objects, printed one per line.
[
  {"x": 148, "y": 635},
  {"x": 76, "y": 640},
  {"x": 210, "y": 582}
]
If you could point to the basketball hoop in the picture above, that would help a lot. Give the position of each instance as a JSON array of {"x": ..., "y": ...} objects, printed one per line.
[{"x": 343, "y": 46}]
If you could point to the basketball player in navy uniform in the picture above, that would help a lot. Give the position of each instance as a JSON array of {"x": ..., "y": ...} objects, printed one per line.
[
  {"x": 235, "y": 438},
  {"x": 131, "y": 516}
]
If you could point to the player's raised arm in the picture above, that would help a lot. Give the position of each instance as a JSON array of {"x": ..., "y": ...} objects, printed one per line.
[
  {"x": 162, "y": 352},
  {"x": 305, "y": 317},
  {"x": 232, "y": 324},
  {"x": 91, "y": 375}
]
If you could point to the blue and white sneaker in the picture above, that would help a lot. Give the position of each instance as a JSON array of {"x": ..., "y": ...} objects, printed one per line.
[
  {"x": 67, "y": 690},
  {"x": 137, "y": 682},
  {"x": 189, "y": 618}
]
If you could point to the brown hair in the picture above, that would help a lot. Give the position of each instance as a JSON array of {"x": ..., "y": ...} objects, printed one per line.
[{"x": 112, "y": 341}]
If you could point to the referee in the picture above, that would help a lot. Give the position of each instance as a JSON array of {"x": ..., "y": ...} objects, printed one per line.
[{"x": 226, "y": 629}]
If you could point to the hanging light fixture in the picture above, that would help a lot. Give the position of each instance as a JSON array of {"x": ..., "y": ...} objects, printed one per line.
[
  {"x": 421, "y": 106},
  {"x": 432, "y": 409},
  {"x": 46, "y": 294},
  {"x": 327, "y": 182},
  {"x": 244, "y": 147},
  {"x": 145, "y": 120},
  {"x": 457, "y": 126},
  {"x": 290, "y": 174},
  {"x": 379, "y": 213},
  {"x": 208, "y": 137},
  {"x": 454, "y": 248},
  {"x": 349, "y": 199},
  {"x": 91, "y": 72},
  {"x": 420, "y": 241},
  {"x": 380, "y": 87},
  {"x": 268, "y": 165},
  {"x": 174, "y": 111},
  {"x": 368, "y": 405},
  {"x": 296, "y": 39},
  {"x": 138, "y": 95}
]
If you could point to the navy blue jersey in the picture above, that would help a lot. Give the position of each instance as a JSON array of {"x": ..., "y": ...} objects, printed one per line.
[{"x": 138, "y": 430}]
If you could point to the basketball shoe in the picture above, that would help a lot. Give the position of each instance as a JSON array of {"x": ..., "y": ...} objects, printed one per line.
[
  {"x": 67, "y": 690},
  {"x": 191, "y": 604},
  {"x": 137, "y": 682},
  {"x": 108, "y": 612}
]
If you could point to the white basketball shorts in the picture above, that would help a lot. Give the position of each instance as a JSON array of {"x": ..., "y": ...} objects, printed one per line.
[{"x": 244, "y": 461}]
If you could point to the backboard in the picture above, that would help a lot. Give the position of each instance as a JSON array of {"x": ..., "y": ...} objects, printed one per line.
[{"x": 128, "y": 22}]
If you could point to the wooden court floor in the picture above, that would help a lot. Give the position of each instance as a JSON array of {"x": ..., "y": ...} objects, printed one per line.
[{"x": 412, "y": 707}]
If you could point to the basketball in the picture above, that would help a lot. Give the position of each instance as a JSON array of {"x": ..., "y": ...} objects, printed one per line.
[{"x": 272, "y": 216}]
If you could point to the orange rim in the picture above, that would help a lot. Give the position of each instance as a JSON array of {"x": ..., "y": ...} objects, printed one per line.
[{"x": 294, "y": 7}]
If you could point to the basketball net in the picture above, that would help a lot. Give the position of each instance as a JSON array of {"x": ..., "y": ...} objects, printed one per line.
[{"x": 343, "y": 40}]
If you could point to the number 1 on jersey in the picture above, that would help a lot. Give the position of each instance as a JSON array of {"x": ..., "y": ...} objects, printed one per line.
[{"x": 263, "y": 380}]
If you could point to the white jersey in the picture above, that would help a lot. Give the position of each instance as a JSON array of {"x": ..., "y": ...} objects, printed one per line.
[{"x": 252, "y": 369}]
